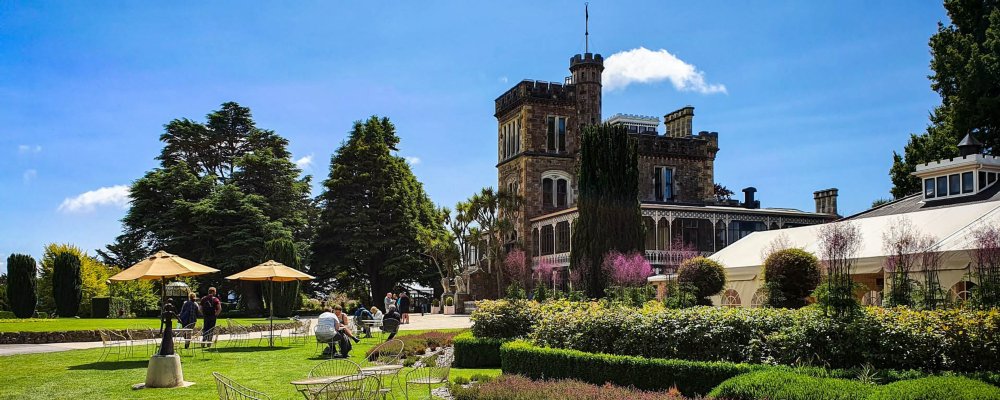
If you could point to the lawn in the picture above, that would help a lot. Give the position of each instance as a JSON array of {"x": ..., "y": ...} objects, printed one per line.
[
  {"x": 89, "y": 324},
  {"x": 77, "y": 374}
]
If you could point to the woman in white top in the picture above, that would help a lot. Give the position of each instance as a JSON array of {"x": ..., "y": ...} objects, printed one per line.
[{"x": 376, "y": 313}]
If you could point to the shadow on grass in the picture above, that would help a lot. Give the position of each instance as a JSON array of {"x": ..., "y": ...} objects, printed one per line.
[
  {"x": 111, "y": 365},
  {"x": 253, "y": 349}
]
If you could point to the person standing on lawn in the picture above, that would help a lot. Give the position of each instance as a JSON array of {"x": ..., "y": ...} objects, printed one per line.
[
  {"x": 404, "y": 307},
  {"x": 211, "y": 307},
  {"x": 189, "y": 315},
  {"x": 389, "y": 300}
]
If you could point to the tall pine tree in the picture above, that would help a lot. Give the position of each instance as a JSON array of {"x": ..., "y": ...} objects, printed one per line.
[
  {"x": 966, "y": 64},
  {"x": 610, "y": 218},
  {"x": 372, "y": 210}
]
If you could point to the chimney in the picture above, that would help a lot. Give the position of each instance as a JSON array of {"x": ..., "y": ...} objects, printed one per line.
[
  {"x": 748, "y": 200},
  {"x": 826, "y": 201},
  {"x": 679, "y": 123}
]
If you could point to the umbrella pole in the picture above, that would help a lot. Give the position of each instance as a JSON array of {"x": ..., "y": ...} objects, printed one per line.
[{"x": 270, "y": 308}]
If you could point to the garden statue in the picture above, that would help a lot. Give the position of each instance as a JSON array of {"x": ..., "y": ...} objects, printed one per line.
[
  {"x": 167, "y": 345},
  {"x": 446, "y": 284},
  {"x": 460, "y": 285}
]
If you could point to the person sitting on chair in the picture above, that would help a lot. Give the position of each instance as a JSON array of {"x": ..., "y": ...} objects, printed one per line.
[
  {"x": 390, "y": 322},
  {"x": 329, "y": 330},
  {"x": 362, "y": 315},
  {"x": 339, "y": 312}
]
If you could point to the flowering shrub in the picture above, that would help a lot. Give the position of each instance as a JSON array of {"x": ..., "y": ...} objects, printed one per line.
[
  {"x": 896, "y": 338},
  {"x": 627, "y": 269},
  {"x": 515, "y": 387}
]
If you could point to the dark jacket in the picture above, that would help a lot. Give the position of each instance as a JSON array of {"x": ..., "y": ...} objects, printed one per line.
[{"x": 189, "y": 313}]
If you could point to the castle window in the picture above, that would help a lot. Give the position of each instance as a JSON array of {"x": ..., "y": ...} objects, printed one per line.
[
  {"x": 929, "y": 188},
  {"x": 534, "y": 242},
  {"x": 556, "y": 134},
  {"x": 954, "y": 187},
  {"x": 942, "y": 186},
  {"x": 562, "y": 237},
  {"x": 562, "y": 197},
  {"x": 547, "y": 193},
  {"x": 663, "y": 183},
  {"x": 547, "y": 240}
]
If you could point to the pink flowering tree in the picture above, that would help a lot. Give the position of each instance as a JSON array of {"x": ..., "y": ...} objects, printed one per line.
[
  {"x": 516, "y": 268},
  {"x": 543, "y": 273},
  {"x": 628, "y": 270}
]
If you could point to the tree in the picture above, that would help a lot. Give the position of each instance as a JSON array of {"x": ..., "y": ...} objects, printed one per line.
[
  {"x": 722, "y": 193},
  {"x": 66, "y": 284},
  {"x": 127, "y": 250},
  {"x": 705, "y": 278},
  {"x": 285, "y": 293},
  {"x": 93, "y": 277},
  {"x": 901, "y": 244},
  {"x": 880, "y": 202},
  {"x": 985, "y": 255},
  {"x": 21, "y": 270},
  {"x": 440, "y": 247},
  {"x": 965, "y": 59},
  {"x": 223, "y": 188},
  {"x": 790, "y": 275},
  {"x": 608, "y": 203},
  {"x": 495, "y": 213},
  {"x": 372, "y": 208},
  {"x": 839, "y": 245}
]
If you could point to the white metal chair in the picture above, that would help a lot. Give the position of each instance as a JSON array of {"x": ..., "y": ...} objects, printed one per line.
[
  {"x": 228, "y": 389},
  {"x": 110, "y": 344},
  {"x": 299, "y": 332},
  {"x": 428, "y": 376},
  {"x": 204, "y": 344}
]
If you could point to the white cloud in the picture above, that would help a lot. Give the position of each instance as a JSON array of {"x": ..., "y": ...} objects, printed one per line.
[
  {"x": 503, "y": 79},
  {"x": 25, "y": 149},
  {"x": 413, "y": 160},
  {"x": 86, "y": 202},
  {"x": 29, "y": 175},
  {"x": 304, "y": 162},
  {"x": 646, "y": 66}
]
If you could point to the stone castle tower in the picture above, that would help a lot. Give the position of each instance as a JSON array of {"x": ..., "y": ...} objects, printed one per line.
[{"x": 539, "y": 125}]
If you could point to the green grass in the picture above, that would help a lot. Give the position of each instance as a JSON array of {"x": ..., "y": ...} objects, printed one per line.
[
  {"x": 88, "y": 324},
  {"x": 78, "y": 375}
]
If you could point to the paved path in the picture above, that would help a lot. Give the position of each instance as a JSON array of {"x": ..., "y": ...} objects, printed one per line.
[{"x": 417, "y": 322}]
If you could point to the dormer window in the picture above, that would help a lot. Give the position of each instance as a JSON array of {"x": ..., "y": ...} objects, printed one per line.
[
  {"x": 965, "y": 175},
  {"x": 957, "y": 184}
]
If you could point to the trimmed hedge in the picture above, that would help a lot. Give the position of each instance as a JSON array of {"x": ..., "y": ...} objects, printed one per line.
[
  {"x": 690, "y": 377},
  {"x": 937, "y": 387},
  {"x": 789, "y": 386},
  {"x": 514, "y": 387},
  {"x": 7, "y": 315},
  {"x": 895, "y": 338},
  {"x": 473, "y": 352}
]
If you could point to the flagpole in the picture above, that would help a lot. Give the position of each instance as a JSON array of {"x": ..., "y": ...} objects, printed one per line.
[{"x": 586, "y": 27}]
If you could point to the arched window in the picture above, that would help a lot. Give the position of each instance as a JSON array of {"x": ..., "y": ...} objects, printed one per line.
[
  {"x": 961, "y": 292},
  {"x": 759, "y": 298},
  {"x": 547, "y": 193},
  {"x": 562, "y": 237},
  {"x": 534, "y": 242},
  {"x": 731, "y": 298}
]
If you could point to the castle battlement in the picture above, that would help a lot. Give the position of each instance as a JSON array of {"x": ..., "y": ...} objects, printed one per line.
[
  {"x": 585, "y": 58},
  {"x": 529, "y": 88},
  {"x": 981, "y": 159}
]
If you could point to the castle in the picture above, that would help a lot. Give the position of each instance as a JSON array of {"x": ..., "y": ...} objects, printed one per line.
[{"x": 538, "y": 129}]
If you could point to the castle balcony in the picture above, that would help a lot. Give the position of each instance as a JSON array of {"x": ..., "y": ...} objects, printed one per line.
[{"x": 660, "y": 259}]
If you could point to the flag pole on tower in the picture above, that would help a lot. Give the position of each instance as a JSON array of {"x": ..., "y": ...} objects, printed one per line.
[{"x": 586, "y": 28}]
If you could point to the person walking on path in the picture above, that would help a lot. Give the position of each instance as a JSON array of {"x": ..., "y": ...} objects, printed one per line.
[
  {"x": 189, "y": 315},
  {"x": 211, "y": 307},
  {"x": 404, "y": 307}
]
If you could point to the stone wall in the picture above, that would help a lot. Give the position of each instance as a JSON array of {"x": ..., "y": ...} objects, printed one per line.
[{"x": 93, "y": 336}]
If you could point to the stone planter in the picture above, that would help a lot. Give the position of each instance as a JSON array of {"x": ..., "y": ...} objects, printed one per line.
[
  {"x": 435, "y": 310},
  {"x": 449, "y": 310}
]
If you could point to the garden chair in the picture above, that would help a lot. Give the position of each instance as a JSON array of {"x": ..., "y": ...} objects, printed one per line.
[
  {"x": 199, "y": 342},
  {"x": 428, "y": 376},
  {"x": 110, "y": 344},
  {"x": 230, "y": 390},
  {"x": 182, "y": 338},
  {"x": 300, "y": 331},
  {"x": 390, "y": 326},
  {"x": 239, "y": 334},
  {"x": 141, "y": 336},
  {"x": 269, "y": 336},
  {"x": 336, "y": 367},
  {"x": 384, "y": 361},
  {"x": 352, "y": 387}
]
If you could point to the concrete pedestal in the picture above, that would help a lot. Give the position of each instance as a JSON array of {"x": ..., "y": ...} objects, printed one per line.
[{"x": 165, "y": 372}]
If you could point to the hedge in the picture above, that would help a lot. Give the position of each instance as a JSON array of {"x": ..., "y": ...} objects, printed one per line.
[
  {"x": 896, "y": 338},
  {"x": 515, "y": 387},
  {"x": 937, "y": 387},
  {"x": 690, "y": 377},
  {"x": 789, "y": 386},
  {"x": 473, "y": 352}
]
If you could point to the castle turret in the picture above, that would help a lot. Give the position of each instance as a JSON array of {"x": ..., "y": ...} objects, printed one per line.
[{"x": 586, "y": 69}]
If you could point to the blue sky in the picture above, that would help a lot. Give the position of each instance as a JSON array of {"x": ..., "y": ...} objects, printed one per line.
[{"x": 817, "y": 94}]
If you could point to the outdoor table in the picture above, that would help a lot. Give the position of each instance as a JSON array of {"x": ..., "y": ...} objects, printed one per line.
[
  {"x": 382, "y": 371},
  {"x": 323, "y": 381},
  {"x": 373, "y": 323}
]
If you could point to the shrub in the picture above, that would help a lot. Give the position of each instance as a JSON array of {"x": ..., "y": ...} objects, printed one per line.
[
  {"x": 790, "y": 275},
  {"x": 436, "y": 303},
  {"x": 513, "y": 387},
  {"x": 789, "y": 386},
  {"x": 706, "y": 276},
  {"x": 414, "y": 345},
  {"x": 67, "y": 284},
  {"x": 21, "y": 271},
  {"x": 689, "y": 377},
  {"x": 449, "y": 301},
  {"x": 7, "y": 315},
  {"x": 473, "y": 352},
  {"x": 937, "y": 387},
  {"x": 503, "y": 319}
]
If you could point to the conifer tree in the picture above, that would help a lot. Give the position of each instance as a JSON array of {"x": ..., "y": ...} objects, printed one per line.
[
  {"x": 21, "y": 273},
  {"x": 67, "y": 284},
  {"x": 610, "y": 218}
]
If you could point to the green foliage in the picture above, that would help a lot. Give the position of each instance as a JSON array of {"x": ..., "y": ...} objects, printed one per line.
[
  {"x": 66, "y": 284},
  {"x": 965, "y": 60},
  {"x": 503, "y": 319},
  {"x": 706, "y": 276},
  {"x": 610, "y": 219},
  {"x": 634, "y": 296},
  {"x": 222, "y": 190},
  {"x": 690, "y": 377},
  {"x": 516, "y": 292},
  {"x": 936, "y": 387},
  {"x": 373, "y": 209},
  {"x": 790, "y": 275},
  {"x": 540, "y": 294},
  {"x": 473, "y": 352},
  {"x": 128, "y": 249},
  {"x": 7, "y": 315},
  {"x": 789, "y": 386},
  {"x": 285, "y": 293},
  {"x": 680, "y": 296},
  {"x": 449, "y": 301},
  {"x": 838, "y": 297},
  {"x": 21, "y": 284},
  {"x": 515, "y": 387}
]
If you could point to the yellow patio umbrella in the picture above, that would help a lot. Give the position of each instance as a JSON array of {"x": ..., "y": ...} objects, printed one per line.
[
  {"x": 162, "y": 266},
  {"x": 271, "y": 271}
]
